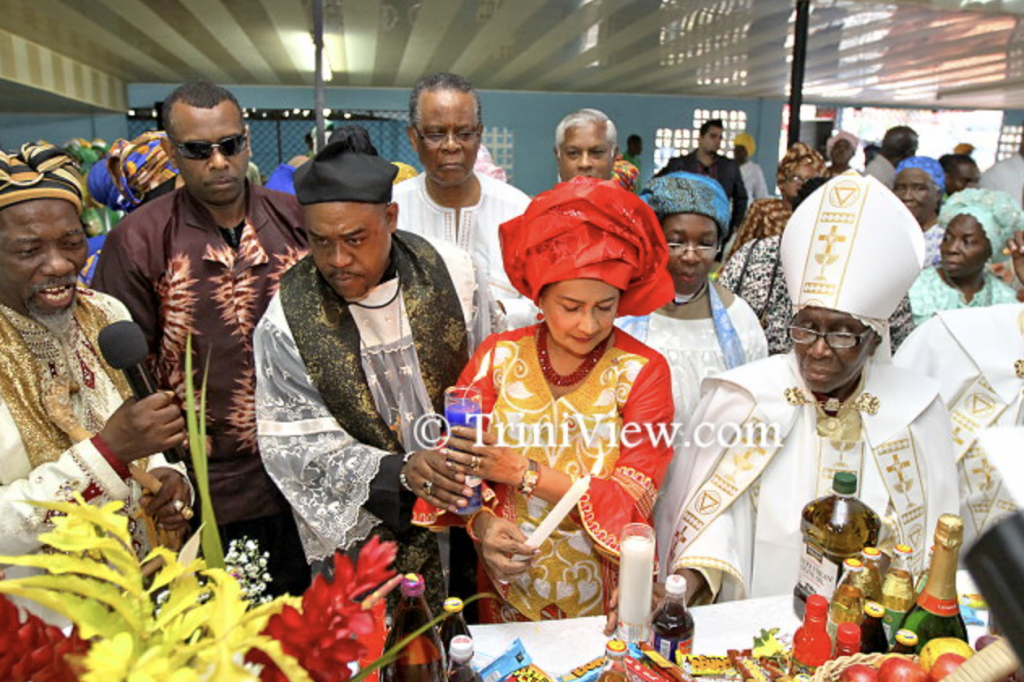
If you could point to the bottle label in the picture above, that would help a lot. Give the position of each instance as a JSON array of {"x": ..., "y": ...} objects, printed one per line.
[
  {"x": 673, "y": 649},
  {"x": 891, "y": 623},
  {"x": 818, "y": 573},
  {"x": 940, "y": 607}
]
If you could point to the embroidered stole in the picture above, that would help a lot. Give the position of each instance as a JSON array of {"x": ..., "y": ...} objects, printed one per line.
[
  {"x": 977, "y": 408},
  {"x": 742, "y": 464},
  {"x": 328, "y": 339},
  {"x": 42, "y": 408}
]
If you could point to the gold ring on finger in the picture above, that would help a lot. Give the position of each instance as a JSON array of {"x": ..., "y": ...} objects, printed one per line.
[{"x": 187, "y": 513}]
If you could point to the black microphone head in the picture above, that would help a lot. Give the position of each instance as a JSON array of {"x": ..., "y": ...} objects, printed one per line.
[{"x": 123, "y": 344}]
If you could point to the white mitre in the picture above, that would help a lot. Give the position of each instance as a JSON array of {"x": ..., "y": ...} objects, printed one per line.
[{"x": 852, "y": 246}]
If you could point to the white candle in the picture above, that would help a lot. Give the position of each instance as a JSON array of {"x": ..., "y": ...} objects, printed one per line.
[
  {"x": 560, "y": 511},
  {"x": 636, "y": 579}
]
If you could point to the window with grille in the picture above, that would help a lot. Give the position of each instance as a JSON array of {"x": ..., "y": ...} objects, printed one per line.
[
  {"x": 500, "y": 142},
  {"x": 671, "y": 142},
  {"x": 1009, "y": 141}
]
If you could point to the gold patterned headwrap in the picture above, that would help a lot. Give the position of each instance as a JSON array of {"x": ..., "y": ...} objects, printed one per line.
[{"x": 39, "y": 171}]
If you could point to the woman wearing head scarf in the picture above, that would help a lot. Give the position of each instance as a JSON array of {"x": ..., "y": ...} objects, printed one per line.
[
  {"x": 569, "y": 397},
  {"x": 840, "y": 150},
  {"x": 978, "y": 223},
  {"x": 706, "y": 329},
  {"x": 767, "y": 217},
  {"x": 919, "y": 184}
]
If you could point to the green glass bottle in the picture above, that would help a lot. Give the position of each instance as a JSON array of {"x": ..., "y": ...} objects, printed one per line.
[{"x": 937, "y": 612}]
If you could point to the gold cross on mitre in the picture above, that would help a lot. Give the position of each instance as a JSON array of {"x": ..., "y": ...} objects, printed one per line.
[{"x": 826, "y": 257}]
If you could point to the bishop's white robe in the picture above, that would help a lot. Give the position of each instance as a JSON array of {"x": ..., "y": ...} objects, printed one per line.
[
  {"x": 977, "y": 356},
  {"x": 752, "y": 547}
]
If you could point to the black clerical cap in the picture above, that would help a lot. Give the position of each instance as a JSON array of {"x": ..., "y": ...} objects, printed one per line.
[{"x": 339, "y": 174}]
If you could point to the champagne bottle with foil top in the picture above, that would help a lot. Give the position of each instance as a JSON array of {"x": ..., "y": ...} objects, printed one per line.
[
  {"x": 870, "y": 557},
  {"x": 937, "y": 612},
  {"x": 898, "y": 594},
  {"x": 848, "y": 600},
  {"x": 835, "y": 527}
]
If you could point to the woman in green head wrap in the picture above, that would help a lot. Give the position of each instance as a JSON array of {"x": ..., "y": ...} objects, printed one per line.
[{"x": 978, "y": 224}]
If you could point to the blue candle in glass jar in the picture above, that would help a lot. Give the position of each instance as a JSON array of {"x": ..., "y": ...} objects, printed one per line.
[{"x": 465, "y": 412}]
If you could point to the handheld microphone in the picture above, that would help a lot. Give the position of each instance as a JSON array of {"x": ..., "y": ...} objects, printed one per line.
[{"x": 123, "y": 346}]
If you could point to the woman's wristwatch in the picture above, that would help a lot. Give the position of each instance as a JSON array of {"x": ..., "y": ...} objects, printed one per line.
[{"x": 530, "y": 478}]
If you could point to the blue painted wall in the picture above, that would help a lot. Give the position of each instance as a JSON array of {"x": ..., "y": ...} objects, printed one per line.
[
  {"x": 531, "y": 115},
  {"x": 17, "y": 129}
]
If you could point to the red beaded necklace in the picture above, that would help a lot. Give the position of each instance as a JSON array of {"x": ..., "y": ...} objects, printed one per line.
[{"x": 556, "y": 379}]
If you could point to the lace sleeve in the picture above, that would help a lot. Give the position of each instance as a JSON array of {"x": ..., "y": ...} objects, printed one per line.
[{"x": 323, "y": 472}]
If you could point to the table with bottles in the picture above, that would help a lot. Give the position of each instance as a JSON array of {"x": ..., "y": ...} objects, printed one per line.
[{"x": 558, "y": 646}]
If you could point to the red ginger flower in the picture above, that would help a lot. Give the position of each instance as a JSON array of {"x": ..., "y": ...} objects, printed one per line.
[
  {"x": 34, "y": 650},
  {"x": 322, "y": 637}
]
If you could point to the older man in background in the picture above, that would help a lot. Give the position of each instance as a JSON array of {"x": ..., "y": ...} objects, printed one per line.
[
  {"x": 203, "y": 262},
  {"x": 586, "y": 143},
  {"x": 449, "y": 201},
  {"x": 899, "y": 143}
]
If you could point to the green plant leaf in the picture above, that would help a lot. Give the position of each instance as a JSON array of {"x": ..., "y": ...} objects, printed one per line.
[
  {"x": 92, "y": 618},
  {"x": 213, "y": 549}
]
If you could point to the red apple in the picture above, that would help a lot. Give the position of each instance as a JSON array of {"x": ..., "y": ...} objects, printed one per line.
[
  {"x": 901, "y": 670},
  {"x": 859, "y": 673},
  {"x": 984, "y": 641},
  {"x": 944, "y": 665}
]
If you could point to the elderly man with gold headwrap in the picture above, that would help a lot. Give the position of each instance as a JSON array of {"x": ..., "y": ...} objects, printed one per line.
[
  {"x": 65, "y": 424},
  {"x": 730, "y": 513},
  {"x": 584, "y": 252}
]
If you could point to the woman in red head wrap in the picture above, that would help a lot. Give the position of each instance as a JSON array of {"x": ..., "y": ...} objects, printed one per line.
[{"x": 569, "y": 397}]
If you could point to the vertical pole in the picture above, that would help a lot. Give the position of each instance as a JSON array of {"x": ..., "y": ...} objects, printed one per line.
[
  {"x": 318, "y": 43},
  {"x": 796, "y": 81}
]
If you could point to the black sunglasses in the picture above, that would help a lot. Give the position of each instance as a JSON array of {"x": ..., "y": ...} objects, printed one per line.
[{"x": 200, "y": 149}]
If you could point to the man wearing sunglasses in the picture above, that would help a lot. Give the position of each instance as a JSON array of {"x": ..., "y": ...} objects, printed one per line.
[
  {"x": 204, "y": 261},
  {"x": 730, "y": 513},
  {"x": 448, "y": 200}
]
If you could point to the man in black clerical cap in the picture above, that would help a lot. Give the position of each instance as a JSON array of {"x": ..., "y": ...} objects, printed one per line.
[{"x": 353, "y": 354}]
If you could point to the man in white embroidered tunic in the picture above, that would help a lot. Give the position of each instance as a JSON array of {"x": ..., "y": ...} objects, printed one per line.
[
  {"x": 448, "y": 200},
  {"x": 730, "y": 517},
  {"x": 977, "y": 355},
  {"x": 65, "y": 426},
  {"x": 359, "y": 344}
]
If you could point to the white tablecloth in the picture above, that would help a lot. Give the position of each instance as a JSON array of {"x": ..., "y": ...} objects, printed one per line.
[{"x": 559, "y": 646}]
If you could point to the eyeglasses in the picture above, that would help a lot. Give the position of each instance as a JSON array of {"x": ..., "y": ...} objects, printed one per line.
[
  {"x": 702, "y": 250},
  {"x": 797, "y": 179},
  {"x": 200, "y": 149},
  {"x": 436, "y": 139},
  {"x": 835, "y": 340}
]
